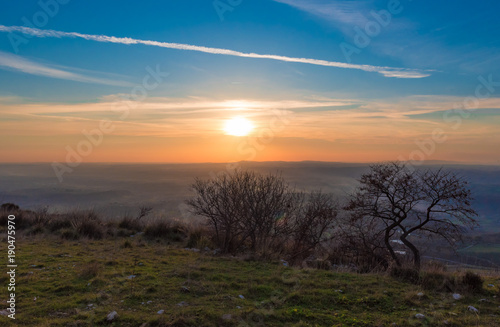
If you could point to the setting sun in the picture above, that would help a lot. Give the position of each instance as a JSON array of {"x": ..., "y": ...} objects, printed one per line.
[{"x": 238, "y": 126}]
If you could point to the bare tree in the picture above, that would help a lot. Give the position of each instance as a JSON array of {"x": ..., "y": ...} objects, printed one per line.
[
  {"x": 408, "y": 202},
  {"x": 263, "y": 214},
  {"x": 143, "y": 212},
  {"x": 313, "y": 223},
  {"x": 241, "y": 207}
]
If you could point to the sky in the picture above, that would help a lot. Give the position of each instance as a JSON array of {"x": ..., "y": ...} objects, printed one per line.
[{"x": 320, "y": 80}]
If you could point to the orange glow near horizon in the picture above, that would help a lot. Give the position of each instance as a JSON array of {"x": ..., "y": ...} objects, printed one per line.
[{"x": 194, "y": 131}]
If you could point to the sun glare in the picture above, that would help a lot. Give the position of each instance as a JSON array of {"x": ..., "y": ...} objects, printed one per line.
[{"x": 238, "y": 126}]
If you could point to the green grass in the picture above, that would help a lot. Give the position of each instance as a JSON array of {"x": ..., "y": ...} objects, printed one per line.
[
  {"x": 67, "y": 276},
  {"x": 484, "y": 248}
]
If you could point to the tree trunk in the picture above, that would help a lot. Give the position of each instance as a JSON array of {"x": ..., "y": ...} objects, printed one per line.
[
  {"x": 389, "y": 247},
  {"x": 414, "y": 250}
]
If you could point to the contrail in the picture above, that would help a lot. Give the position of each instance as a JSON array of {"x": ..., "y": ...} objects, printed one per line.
[{"x": 386, "y": 71}]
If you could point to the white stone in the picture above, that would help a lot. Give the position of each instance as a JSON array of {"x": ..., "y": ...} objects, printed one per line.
[
  {"x": 112, "y": 316},
  {"x": 472, "y": 309},
  {"x": 419, "y": 316}
]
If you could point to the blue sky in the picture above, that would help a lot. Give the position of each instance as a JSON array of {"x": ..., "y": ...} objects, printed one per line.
[{"x": 427, "y": 58}]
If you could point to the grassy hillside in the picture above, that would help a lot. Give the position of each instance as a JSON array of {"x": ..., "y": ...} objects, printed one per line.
[{"x": 78, "y": 283}]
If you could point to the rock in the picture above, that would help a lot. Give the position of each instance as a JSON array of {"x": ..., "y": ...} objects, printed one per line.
[
  {"x": 420, "y": 294},
  {"x": 491, "y": 285},
  {"x": 419, "y": 316},
  {"x": 112, "y": 316},
  {"x": 149, "y": 302},
  {"x": 227, "y": 316},
  {"x": 131, "y": 276},
  {"x": 241, "y": 297},
  {"x": 446, "y": 322},
  {"x": 206, "y": 249},
  {"x": 160, "y": 312},
  {"x": 483, "y": 300},
  {"x": 182, "y": 304},
  {"x": 185, "y": 289},
  {"x": 457, "y": 296},
  {"x": 4, "y": 313},
  {"x": 238, "y": 307},
  {"x": 472, "y": 309}
]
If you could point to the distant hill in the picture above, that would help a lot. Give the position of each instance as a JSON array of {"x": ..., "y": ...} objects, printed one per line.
[{"x": 116, "y": 189}]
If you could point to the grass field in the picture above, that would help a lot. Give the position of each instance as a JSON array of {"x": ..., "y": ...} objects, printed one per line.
[{"x": 78, "y": 283}]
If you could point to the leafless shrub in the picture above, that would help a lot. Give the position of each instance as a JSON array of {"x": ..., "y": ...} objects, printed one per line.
[
  {"x": 86, "y": 223},
  {"x": 165, "y": 229},
  {"x": 262, "y": 214}
]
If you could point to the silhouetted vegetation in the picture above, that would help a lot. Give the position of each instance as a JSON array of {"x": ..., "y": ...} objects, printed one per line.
[
  {"x": 400, "y": 204},
  {"x": 262, "y": 214},
  {"x": 264, "y": 217}
]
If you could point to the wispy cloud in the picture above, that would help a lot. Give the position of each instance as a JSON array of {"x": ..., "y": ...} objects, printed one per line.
[
  {"x": 345, "y": 12},
  {"x": 385, "y": 71},
  {"x": 14, "y": 62}
]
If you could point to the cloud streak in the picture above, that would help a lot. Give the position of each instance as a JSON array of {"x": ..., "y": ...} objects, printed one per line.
[
  {"x": 344, "y": 12},
  {"x": 385, "y": 71},
  {"x": 13, "y": 62}
]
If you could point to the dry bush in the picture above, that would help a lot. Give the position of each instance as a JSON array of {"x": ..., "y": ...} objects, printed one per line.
[
  {"x": 263, "y": 215},
  {"x": 440, "y": 281},
  {"x": 405, "y": 274},
  {"x": 199, "y": 237},
  {"x": 86, "y": 223},
  {"x": 165, "y": 229},
  {"x": 130, "y": 223},
  {"x": 241, "y": 208},
  {"x": 58, "y": 223},
  {"x": 472, "y": 282},
  {"x": 358, "y": 242},
  {"x": 91, "y": 229}
]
